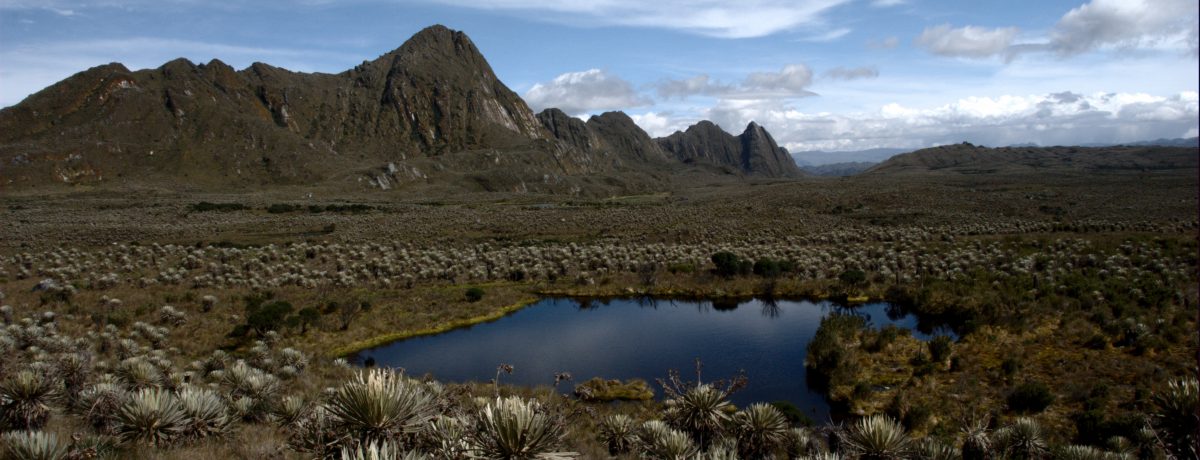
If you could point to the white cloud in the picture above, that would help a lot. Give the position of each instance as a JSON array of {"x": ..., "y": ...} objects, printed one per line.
[
  {"x": 660, "y": 124},
  {"x": 717, "y": 18},
  {"x": 843, "y": 73},
  {"x": 1096, "y": 25},
  {"x": 887, "y": 3},
  {"x": 584, "y": 92},
  {"x": 968, "y": 41},
  {"x": 1127, "y": 24},
  {"x": 791, "y": 81},
  {"x": 1063, "y": 118},
  {"x": 828, "y": 36}
]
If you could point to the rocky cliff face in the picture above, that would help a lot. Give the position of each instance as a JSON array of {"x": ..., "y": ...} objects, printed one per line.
[
  {"x": 215, "y": 125},
  {"x": 754, "y": 152},
  {"x": 431, "y": 110}
]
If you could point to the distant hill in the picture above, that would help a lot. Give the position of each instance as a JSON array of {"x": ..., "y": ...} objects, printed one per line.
[
  {"x": 838, "y": 169},
  {"x": 821, "y": 157},
  {"x": 430, "y": 112},
  {"x": 966, "y": 158}
]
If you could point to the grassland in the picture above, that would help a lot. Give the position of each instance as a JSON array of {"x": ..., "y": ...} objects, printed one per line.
[{"x": 1085, "y": 283}]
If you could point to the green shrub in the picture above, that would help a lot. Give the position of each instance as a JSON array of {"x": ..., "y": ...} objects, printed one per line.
[
  {"x": 281, "y": 208},
  {"x": 1030, "y": 397},
  {"x": 474, "y": 294},
  {"x": 852, "y": 277},
  {"x": 767, "y": 268},
  {"x": 940, "y": 348},
  {"x": 205, "y": 206},
  {"x": 727, "y": 264}
]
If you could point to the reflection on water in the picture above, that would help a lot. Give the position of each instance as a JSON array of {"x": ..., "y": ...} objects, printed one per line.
[{"x": 642, "y": 338}]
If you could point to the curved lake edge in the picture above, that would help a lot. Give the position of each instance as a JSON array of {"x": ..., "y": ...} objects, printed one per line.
[{"x": 538, "y": 296}]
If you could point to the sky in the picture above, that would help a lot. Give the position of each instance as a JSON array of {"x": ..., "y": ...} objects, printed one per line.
[{"x": 832, "y": 75}]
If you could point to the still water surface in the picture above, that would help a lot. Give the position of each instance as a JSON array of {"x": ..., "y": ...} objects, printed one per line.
[{"x": 640, "y": 338}]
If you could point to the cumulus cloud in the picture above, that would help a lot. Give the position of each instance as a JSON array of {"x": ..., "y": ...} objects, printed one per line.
[
  {"x": 1127, "y": 24},
  {"x": 842, "y": 73},
  {"x": 1064, "y": 118},
  {"x": 717, "y": 18},
  {"x": 791, "y": 81},
  {"x": 1096, "y": 25},
  {"x": 584, "y": 92},
  {"x": 968, "y": 41},
  {"x": 884, "y": 44}
]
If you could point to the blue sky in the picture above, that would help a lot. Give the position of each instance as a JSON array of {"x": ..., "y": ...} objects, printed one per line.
[{"x": 819, "y": 74}]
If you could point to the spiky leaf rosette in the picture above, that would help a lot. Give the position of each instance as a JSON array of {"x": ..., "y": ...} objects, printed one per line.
[
  {"x": 32, "y": 445},
  {"x": 25, "y": 400},
  {"x": 760, "y": 428},
  {"x": 701, "y": 411},
  {"x": 207, "y": 414},
  {"x": 619, "y": 433},
  {"x": 99, "y": 405},
  {"x": 1175, "y": 416},
  {"x": 151, "y": 416},
  {"x": 380, "y": 451},
  {"x": 878, "y": 437},
  {"x": 1022, "y": 439},
  {"x": 379, "y": 405},
  {"x": 512, "y": 428},
  {"x": 660, "y": 441},
  {"x": 447, "y": 438}
]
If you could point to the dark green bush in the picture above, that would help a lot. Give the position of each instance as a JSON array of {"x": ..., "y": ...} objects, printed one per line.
[
  {"x": 205, "y": 206},
  {"x": 268, "y": 316},
  {"x": 474, "y": 294},
  {"x": 940, "y": 348},
  {"x": 852, "y": 277},
  {"x": 280, "y": 208},
  {"x": 1030, "y": 398},
  {"x": 727, "y": 263},
  {"x": 767, "y": 268}
]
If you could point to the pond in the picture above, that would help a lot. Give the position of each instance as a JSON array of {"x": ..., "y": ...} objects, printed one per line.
[{"x": 627, "y": 338}]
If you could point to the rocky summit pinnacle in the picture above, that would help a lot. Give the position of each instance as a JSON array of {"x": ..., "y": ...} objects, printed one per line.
[{"x": 754, "y": 152}]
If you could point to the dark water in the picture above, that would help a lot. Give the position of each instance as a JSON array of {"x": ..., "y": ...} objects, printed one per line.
[{"x": 643, "y": 338}]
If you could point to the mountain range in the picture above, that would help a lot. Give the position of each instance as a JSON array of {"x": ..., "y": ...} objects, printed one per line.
[
  {"x": 431, "y": 111},
  {"x": 429, "y": 115}
]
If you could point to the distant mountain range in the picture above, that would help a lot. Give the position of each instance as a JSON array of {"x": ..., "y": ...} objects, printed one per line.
[
  {"x": 967, "y": 158},
  {"x": 431, "y": 111},
  {"x": 429, "y": 114}
]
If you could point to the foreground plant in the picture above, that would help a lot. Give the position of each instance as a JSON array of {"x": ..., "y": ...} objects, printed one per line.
[
  {"x": 878, "y": 437},
  {"x": 660, "y": 441},
  {"x": 151, "y": 416},
  {"x": 761, "y": 429},
  {"x": 619, "y": 433},
  {"x": 25, "y": 400},
  {"x": 513, "y": 428},
  {"x": 379, "y": 405},
  {"x": 701, "y": 411},
  {"x": 32, "y": 445},
  {"x": 1022, "y": 439},
  {"x": 206, "y": 413},
  {"x": 1175, "y": 416},
  {"x": 380, "y": 451}
]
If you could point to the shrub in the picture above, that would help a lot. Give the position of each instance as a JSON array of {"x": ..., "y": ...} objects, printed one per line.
[
  {"x": 852, "y": 277},
  {"x": 660, "y": 441},
  {"x": 1174, "y": 415},
  {"x": 877, "y": 437},
  {"x": 267, "y": 317},
  {"x": 760, "y": 430},
  {"x": 32, "y": 445},
  {"x": 618, "y": 433},
  {"x": 380, "y": 404},
  {"x": 25, "y": 400},
  {"x": 702, "y": 411},
  {"x": 1030, "y": 397},
  {"x": 151, "y": 416},
  {"x": 767, "y": 268},
  {"x": 474, "y": 294},
  {"x": 940, "y": 348},
  {"x": 727, "y": 264},
  {"x": 513, "y": 428}
]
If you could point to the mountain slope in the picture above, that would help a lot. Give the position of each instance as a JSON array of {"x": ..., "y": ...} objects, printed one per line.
[
  {"x": 754, "y": 152},
  {"x": 966, "y": 158}
]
